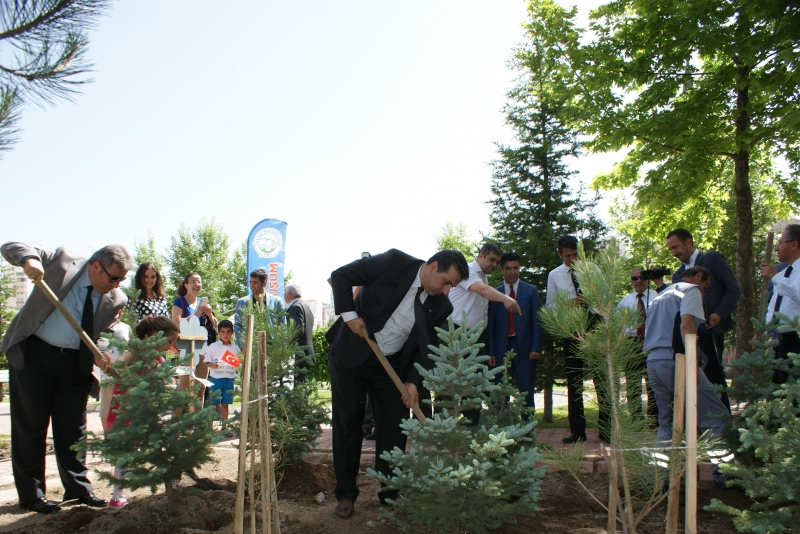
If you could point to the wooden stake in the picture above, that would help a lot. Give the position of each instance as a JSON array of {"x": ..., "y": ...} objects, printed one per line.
[
  {"x": 674, "y": 502},
  {"x": 691, "y": 434},
  {"x": 765, "y": 281},
  {"x": 266, "y": 474},
  {"x": 248, "y": 353},
  {"x": 390, "y": 371},
  {"x": 98, "y": 356}
]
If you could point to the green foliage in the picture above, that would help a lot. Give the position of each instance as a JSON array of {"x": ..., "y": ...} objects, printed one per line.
[
  {"x": 7, "y": 312},
  {"x": 43, "y": 55},
  {"x": 320, "y": 370},
  {"x": 455, "y": 237},
  {"x": 146, "y": 253},
  {"x": 160, "y": 432},
  {"x": 767, "y": 464},
  {"x": 206, "y": 250},
  {"x": 296, "y": 416},
  {"x": 460, "y": 477}
]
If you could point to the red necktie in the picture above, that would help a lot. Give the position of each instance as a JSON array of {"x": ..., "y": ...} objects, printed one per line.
[
  {"x": 511, "y": 331},
  {"x": 643, "y": 315}
]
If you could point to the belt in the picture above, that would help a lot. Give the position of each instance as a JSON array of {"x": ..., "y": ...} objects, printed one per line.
[
  {"x": 54, "y": 347},
  {"x": 513, "y": 337},
  {"x": 787, "y": 336}
]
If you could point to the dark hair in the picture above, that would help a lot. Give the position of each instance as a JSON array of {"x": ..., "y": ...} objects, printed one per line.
[
  {"x": 182, "y": 286},
  {"x": 509, "y": 256},
  {"x": 225, "y": 323},
  {"x": 567, "y": 241},
  {"x": 158, "y": 289},
  {"x": 697, "y": 269},
  {"x": 259, "y": 273},
  {"x": 794, "y": 231},
  {"x": 490, "y": 248},
  {"x": 150, "y": 326},
  {"x": 450, "y": 258},
  {"x": 682, "y": 234}
]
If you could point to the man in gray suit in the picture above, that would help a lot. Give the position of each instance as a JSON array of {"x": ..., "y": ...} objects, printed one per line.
[
  {"x": 50, "y": 368},
  {"x": 299, "y": 312}
]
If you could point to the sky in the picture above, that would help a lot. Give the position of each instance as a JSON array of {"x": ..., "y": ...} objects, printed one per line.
[{"x": 364, "y": 125}]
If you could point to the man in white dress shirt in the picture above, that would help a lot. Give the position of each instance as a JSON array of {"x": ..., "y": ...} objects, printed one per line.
[
  {"x": 639, "y": 301},
  {"x": 786, "y": 295}
]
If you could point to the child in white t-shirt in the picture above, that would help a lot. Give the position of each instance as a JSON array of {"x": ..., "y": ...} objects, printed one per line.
[{"x": 221, "y": 372}]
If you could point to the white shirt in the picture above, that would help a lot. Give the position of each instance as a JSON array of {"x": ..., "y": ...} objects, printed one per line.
[
  {"x": 632, "y": 301},
  {"x": 790, "y": 289},
  {"x": 464, "y": 300},
  {"x": 507, "y": 288},
  {"x": 396, "y": 330},
  {"x": 692, "y": 259},
  {"x": 559, "y": 279},
  {"x": 215, "y": 353}
]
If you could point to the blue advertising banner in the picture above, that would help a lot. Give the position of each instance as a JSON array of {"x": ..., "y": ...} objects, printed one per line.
[{"x": 266, "y": 247}]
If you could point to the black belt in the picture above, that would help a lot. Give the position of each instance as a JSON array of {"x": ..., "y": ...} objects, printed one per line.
[
  {"x": 54, "y": 347},
  {"x": 787, "y": 336},
  {"x": 513, "y": 336}
]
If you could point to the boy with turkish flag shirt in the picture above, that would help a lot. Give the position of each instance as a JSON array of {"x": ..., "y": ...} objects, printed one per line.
[{"x": 222, "y": 358}]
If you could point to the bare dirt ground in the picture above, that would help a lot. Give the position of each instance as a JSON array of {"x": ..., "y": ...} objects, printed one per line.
[{"x": 564, "y": 508}]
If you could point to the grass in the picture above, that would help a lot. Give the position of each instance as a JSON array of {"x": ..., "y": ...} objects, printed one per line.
[{"x": 561, "y": 419}]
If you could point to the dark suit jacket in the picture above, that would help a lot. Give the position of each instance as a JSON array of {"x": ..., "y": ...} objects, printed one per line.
[
  {"x": 722, "y": 294},
  {"x": 61, "y": 270},
  {"x": 385, "y": 280},
  {"x": 527, "y": 327},
  {"x": 300, "y": 313}
]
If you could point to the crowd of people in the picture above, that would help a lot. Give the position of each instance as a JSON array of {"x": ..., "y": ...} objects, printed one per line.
[{"x": 400, "y": 301}]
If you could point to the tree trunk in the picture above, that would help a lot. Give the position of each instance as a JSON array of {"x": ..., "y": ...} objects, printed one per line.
[
  {"x": 744, "y": 218},
  {"x": 547, "y": 390}
]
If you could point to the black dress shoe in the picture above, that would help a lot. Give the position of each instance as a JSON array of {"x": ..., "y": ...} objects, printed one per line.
[
  {"x": 89, "y": 500},
  {"x": 40, "y": 506},
  {"x": 574, "y": 438},
  {"x": 344, "y": 508},
  {"x": 371, "y": 437}
]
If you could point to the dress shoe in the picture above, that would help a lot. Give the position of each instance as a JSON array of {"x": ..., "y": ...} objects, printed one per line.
[
  {"x": 344, "y": 508},
  {"x": 574, "y": 438},
  {"x": 371, "y": 437},
  {"x": 40, "y": 506},
  {"x": 89, "y": 500}
]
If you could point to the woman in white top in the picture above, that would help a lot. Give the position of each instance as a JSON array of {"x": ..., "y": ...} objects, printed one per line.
[{"x": 189, "y": 303}]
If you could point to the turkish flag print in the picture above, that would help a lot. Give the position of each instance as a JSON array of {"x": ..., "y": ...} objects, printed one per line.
[{"x": 230, "y": 359}]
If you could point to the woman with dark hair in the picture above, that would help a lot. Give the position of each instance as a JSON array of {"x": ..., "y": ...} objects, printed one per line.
[
  {"x": 151, "y": 301},
  {"x": 189, "y": 303}
]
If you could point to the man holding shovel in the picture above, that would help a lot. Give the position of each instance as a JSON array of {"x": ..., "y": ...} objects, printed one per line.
[
  {"x": 401, "y": 301},
  {"x": 51, "y": 368}
]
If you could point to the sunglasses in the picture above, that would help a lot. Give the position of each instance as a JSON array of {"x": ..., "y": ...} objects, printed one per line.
[
  {"x": 635, "y": 278},
  {"x": 112, "y": 279}
]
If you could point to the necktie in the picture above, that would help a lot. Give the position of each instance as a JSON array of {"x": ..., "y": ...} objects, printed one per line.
[
  {"x": 642, "y": 315},
  {"x": 575, "y": 282},
  {"x": 511, "y": 330},
  {"x": 86, "y": 358},
  {"x": 419, "y": 321},
  {"x": 778, "y": 300}
]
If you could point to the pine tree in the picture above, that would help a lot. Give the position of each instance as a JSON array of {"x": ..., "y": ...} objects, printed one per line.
[
  {"x": 536, "y": 197},
  {"x": 460, "y": 477},
  {"x": 156, "y": 437},
  {"x": 767, "y": 436},
  {"x": 43, "y": 46}
]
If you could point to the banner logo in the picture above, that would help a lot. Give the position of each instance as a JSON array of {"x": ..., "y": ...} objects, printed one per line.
[{"x": 268, "y": 243}]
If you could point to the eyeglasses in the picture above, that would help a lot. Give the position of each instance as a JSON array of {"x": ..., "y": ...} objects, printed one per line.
[
  {"x": 112, "y": 279},
  {"x": 635, "y": 278},
  {"x": 779, "y": 243}
]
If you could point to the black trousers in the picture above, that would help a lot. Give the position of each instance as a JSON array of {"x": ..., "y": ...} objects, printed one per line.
[
  {"x": 713, "y": 346},
  {"x": 349, "y": 389},
  {"x": 785, "y": 347},
  {"x": 49, "y": 387},
  {"x": 576, "y": 372},
  {"x": 633, "y": 386}
]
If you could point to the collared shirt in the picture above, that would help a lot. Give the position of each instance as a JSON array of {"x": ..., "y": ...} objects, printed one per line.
[
  {"x": 559, "y": 279},
  {"x": 507, "y": 288},
  {"x": 681, "y": 297},
  {"x": 789, "y": 287},
  {"x": 692, "y": 259},
  {"x": 396, "y": 330},
  {"x": 55, "y": 329},
  {"x": 632, "y": 301},
  {"x": 464, "y": 300}
]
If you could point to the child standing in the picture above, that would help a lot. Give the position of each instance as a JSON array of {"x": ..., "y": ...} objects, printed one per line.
[
  {"x": 147, "y": 327},
  {"x": 222, "y": 358}
]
